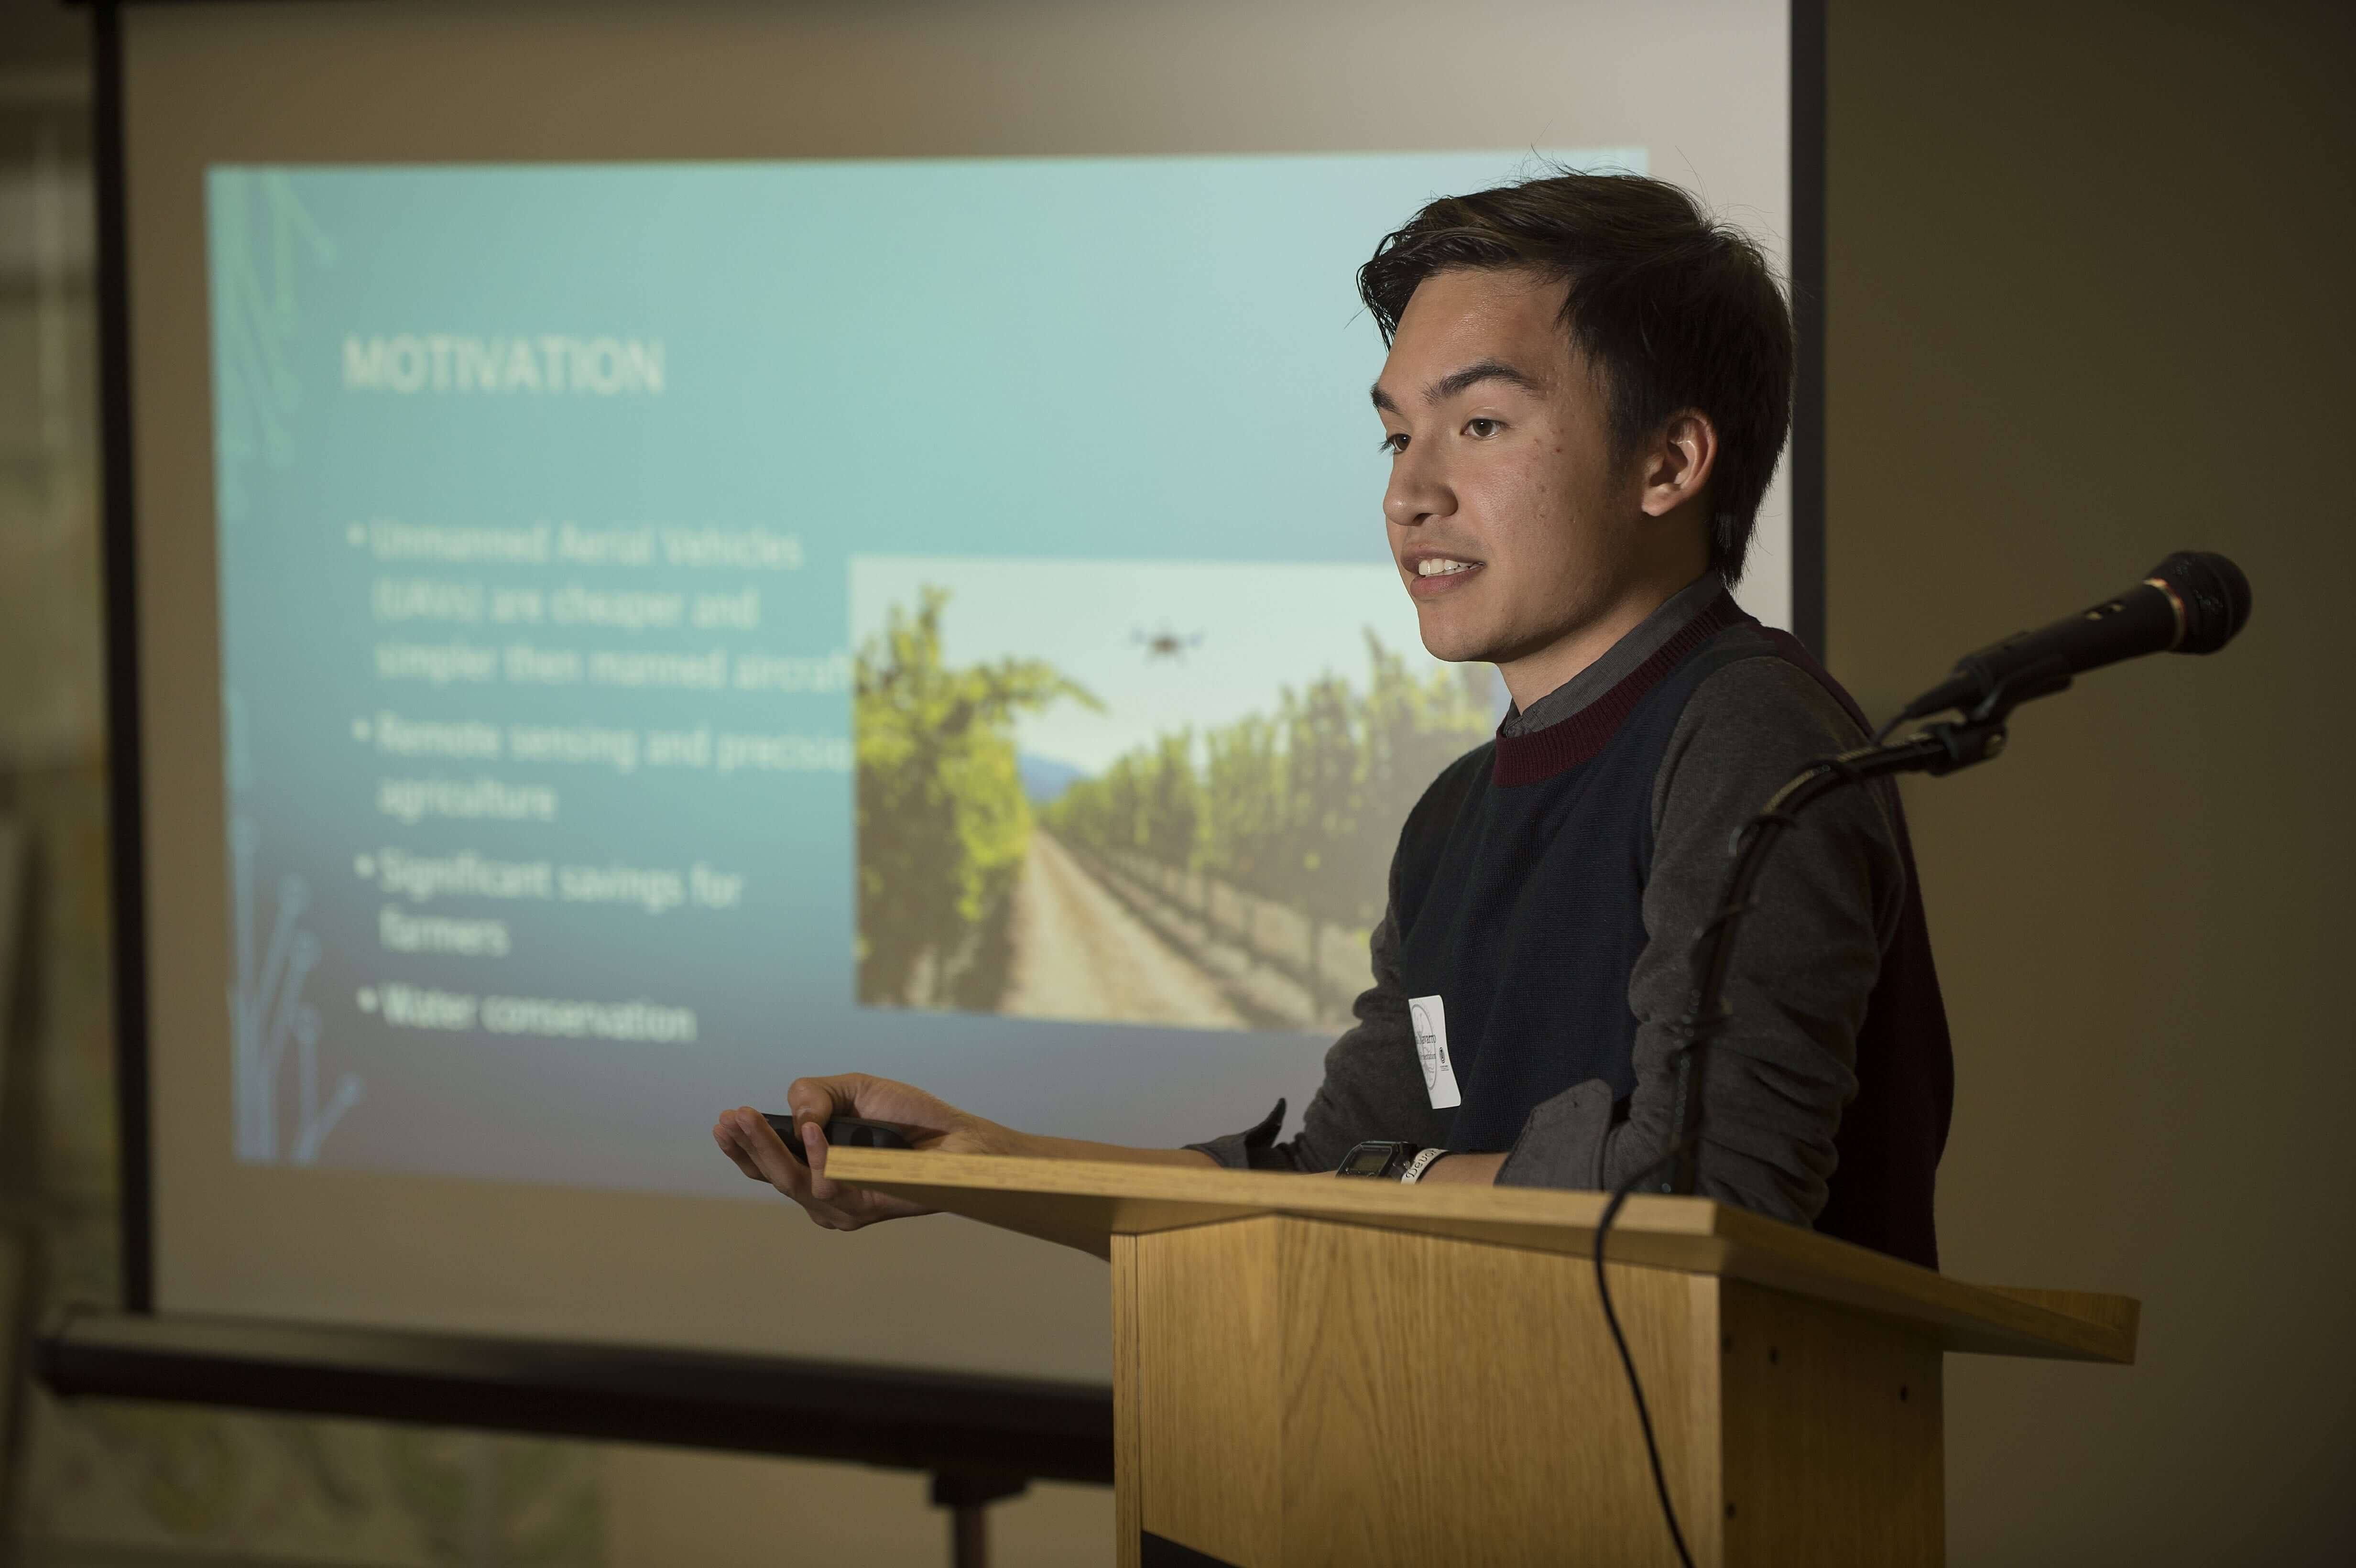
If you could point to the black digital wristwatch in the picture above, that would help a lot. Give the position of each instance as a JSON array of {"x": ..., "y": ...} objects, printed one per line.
[{"x": 1378, "y": 1157}]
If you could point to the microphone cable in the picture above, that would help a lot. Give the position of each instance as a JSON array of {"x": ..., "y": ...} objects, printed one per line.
[{"x": 1619, "y": 1342}]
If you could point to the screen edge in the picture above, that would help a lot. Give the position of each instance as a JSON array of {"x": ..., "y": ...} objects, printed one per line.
[
  {"x": 1807, "y": 138},
  {"x": 126, "y": 796}
]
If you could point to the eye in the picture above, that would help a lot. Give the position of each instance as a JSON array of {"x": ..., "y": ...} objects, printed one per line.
[
  {"x": 1483, "y": 429},
  {"x": 1394, "y": 443}
]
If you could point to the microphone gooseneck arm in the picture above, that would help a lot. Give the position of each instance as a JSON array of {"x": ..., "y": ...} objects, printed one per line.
[{"x": 1939, "y": 749}]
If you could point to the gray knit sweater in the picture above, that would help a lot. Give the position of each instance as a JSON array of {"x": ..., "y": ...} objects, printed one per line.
[{"x": 1829, "y": 904}]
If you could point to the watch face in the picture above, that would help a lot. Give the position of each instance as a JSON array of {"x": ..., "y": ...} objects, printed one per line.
[{"x": 1366, "y": 1159}]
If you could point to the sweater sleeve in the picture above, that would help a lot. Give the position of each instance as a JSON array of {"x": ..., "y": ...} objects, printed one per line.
[{"x": 1827, "y": 905}]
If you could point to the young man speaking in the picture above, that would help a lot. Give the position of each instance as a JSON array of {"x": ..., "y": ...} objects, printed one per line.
[{"x": 1588, "y": 387}]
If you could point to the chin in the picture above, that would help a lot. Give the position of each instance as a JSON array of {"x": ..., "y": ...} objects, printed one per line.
[{"x": 1455, "y": 644}]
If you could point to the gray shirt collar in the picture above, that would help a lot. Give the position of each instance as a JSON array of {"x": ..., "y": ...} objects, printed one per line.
[{"x": 1619, "y": 660}]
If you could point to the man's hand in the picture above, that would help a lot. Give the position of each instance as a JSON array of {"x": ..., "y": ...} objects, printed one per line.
[{"x": 747, "y": 1137}]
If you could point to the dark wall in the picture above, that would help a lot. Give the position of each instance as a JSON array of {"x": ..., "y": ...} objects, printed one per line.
[{"x": 2089, "y": 289}]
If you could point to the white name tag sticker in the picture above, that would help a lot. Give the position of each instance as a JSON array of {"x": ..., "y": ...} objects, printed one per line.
[{"x": 1430, "y": 1016}]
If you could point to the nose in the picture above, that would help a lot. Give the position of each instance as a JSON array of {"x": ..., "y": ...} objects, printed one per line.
[{"x": 1417, "y": 490}]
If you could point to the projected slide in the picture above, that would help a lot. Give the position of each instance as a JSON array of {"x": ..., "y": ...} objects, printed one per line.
[
  {"x": 685, "y": 626},
  {"x": 1165, "y": 802}
]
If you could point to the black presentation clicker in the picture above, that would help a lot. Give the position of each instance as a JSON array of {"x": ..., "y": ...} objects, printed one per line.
[{"x": 843, "y": 1132}]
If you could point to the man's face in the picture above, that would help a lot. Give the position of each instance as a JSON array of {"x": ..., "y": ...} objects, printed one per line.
[{"x": 1512, "y": 525}]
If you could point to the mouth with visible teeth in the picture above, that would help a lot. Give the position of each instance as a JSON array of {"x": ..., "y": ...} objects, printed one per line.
[{"x": 1435, "y": 575}]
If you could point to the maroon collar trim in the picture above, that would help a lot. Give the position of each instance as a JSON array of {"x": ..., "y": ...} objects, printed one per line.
[{"x": 1564, "y": 745}]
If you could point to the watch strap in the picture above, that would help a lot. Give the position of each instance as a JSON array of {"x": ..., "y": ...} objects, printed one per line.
[{"x": 1422, "y": 1162}]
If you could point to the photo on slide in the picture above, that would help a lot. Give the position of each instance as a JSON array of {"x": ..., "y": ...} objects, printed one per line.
[{"x": 1141, "y": 792}]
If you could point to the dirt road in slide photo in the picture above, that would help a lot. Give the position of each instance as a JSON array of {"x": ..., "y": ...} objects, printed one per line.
[{"x": 1081, "y": 954}]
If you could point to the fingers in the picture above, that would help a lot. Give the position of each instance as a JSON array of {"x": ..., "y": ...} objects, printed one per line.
[
  {"x": 777, "y": 1163},
  {"x": 821, "y": 1190},
  {"x": 755, "y": 1147},
  {"x": 745, "y": 1136},
  {"x": 830, "y": 1203},
  {"x": 723, "y": 1133},
  {"x": 750, "y": 1143},
  {"x": 732, "y": 1144}
]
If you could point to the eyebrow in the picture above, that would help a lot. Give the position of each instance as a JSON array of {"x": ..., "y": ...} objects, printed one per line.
[{"x": 1457, "y": 382}]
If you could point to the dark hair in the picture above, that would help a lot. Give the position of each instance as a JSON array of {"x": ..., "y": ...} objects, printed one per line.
[{"x": 1674, "y": 309}]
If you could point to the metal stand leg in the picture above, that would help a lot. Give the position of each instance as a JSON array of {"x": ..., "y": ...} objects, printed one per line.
[{"x": 968, "y": 1498}]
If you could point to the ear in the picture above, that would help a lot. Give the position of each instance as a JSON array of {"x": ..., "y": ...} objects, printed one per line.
[{"x": 1677, "y": 466}]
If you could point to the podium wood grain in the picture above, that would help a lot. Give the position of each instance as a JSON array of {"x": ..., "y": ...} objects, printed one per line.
[
  {"x": 1081, "y": 1204},
  {"x": 1309, "y": 1371}
]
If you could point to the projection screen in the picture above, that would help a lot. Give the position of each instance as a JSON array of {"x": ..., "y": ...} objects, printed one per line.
[{"x": 681, "y": 547}]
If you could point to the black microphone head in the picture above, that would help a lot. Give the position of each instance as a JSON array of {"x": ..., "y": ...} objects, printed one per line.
[{"x": 2215, "y": 596}]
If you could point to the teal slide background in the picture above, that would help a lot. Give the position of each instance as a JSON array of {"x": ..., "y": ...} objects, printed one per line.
[{"x": 1094, "y": 360}]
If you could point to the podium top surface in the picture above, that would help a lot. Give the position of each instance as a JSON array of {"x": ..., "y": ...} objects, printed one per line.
[{"x": 1084, "y": 1203}]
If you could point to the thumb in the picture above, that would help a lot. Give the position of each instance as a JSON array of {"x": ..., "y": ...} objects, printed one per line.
[{"x": 821, "y": 1100}]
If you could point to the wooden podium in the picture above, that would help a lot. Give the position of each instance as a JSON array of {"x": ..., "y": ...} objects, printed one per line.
[{"x": 1314, "y": 1370}]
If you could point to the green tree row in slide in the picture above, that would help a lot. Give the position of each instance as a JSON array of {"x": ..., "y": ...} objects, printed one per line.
[
  {"x": 1301, "y": 807},
  {"x": 943, "y": 821}
]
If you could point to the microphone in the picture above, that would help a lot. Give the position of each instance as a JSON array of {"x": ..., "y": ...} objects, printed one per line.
[{"x": 2193, "y": 602}]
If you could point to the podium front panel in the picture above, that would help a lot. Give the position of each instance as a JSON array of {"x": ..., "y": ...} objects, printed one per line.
[{"x": 1301, "y": 1392}]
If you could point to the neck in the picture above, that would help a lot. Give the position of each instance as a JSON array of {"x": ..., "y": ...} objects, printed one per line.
[{"x": 1534, "y": 675}]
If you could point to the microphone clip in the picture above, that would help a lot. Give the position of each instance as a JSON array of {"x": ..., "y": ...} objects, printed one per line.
[
  {"x": 1962, "y": 743},
  {"x": 2006, "y": 692},
  {"x": 1949, "y": 747}
]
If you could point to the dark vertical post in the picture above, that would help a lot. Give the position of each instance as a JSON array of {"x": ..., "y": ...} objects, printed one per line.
[
  {"x": 968, "y": 1498},
  {"x": 969, "y": 1536},
  {"x": 125, "y": 848},
  {"x": 1807, "y": 469}
]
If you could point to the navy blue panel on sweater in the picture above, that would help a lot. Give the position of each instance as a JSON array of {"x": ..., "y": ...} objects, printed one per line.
[{"x": 1520, "y": 902}]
